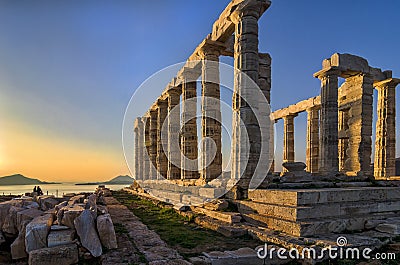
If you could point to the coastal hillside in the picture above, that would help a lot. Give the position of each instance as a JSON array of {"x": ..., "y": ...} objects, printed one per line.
[
  {"x": 119, "y": 180},
  {"x": 18, "y": 179}
]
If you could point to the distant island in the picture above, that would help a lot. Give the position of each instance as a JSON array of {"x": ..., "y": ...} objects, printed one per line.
[
  {"x": 19, "y": 179},
  {"x": 120, "y": 180}
]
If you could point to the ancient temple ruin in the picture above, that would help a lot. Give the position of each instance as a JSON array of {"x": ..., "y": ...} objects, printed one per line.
[{"x": 328, "y": 193}]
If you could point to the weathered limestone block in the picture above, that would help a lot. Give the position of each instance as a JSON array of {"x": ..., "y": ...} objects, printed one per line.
[
  {"x": 60, "y": 255},
  {"x": 27, "y": 215},
  {"x": 61, "y": 205},
  {"x": 37, "y": 231},
  {"x": 216, "y": 205},
  {"x": 2, "y": 239},
  {"x": 76, "y": 199},
  {"x": 86, "y": 230},
  {"x": 106, "y": 231},
  {"x": 47, "y": 202},
  {"x": 60, "y": 237},
  {"x": 10, "y": 225},
  {"x": 4, "y": 208},
  {"x": 69, "y": 214},
  {"x": 390, "y": 228},
  {"x": 18, "y": 249}
]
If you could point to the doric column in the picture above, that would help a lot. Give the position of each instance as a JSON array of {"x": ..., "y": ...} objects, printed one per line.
[
  {"x": 312, "y": 150},
  {"x": 343, "y": 140},
  {"x": 153, "y": 172},
  {"x": 174, "y": 126},
  {"x": 264, "y": 78},
  {"x": 211, "y": 166},
  {"x": 146, "y": 149},
  {"x": 189, "y": 165},
  {"x": 288, "y": 138},
  {"x": 385, "y": 143},
  {"x": 246, "y": 64},
  {"x": 138, "y": 160},
  {"x": 162, "y": 138},
  {"x": 328, "y": 149}
]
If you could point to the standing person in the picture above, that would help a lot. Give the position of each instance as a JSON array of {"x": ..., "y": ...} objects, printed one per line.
[{"x": 35, "y": 189}]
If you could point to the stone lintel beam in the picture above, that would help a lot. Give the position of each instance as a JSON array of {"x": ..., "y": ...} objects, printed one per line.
[
  {"x": 350, "y": 65},
  {"x": 297, "y": 108}
]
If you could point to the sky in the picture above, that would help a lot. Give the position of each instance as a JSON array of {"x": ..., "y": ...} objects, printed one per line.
[{"x": 68, "y": 69}]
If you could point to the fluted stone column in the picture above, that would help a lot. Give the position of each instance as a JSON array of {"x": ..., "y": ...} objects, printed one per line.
[
  {"x": 343, "y": 140},
  {"x": 174, "y": 126},
  {"x": 138, "y": 161},
  {"x": 312, "y": 151},
  {"x": 147, "y": 144},
  {"x": 328, "y": 149},
  {"x": 189, "y": 169},
  {"x": 211, "y": 116},
  {"x": 246, "y": 60},
  {"x": 359, "y": 89},
  {"x": 162, "y": 138},
  {"x": 385, "y": 143},
  {"x": 288, "y": 138},
  {"x": 153, "y": 172}
]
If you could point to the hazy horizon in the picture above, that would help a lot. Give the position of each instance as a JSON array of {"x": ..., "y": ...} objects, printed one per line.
[{"x": 69, "y": 68}]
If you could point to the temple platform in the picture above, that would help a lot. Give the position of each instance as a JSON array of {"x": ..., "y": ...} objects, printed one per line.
[{"x": 306, "y": 212}]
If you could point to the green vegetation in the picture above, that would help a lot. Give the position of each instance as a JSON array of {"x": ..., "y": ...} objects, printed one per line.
[{"x": 178, "y": 231}]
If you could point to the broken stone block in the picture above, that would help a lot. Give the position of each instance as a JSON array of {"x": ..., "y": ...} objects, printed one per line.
[
  {"x": 389, "y": 228},
  {"x": 27, "y": 215},
  {"x": 37, "y": 231},
  {"x": 106, "y": 231},
  {"x": 60, "y": 237},
  {"x": 61, "y": 205},
  {"x": 86, "y": 229},
  {"x": 47, "y": 202},
  {"x": 60, "y": 255},
  {"x": 2, "y": 239},
  {"x": 76, "y": 199},
  {"x": 70, "y": 213},
  {"x": 216, "y": 205},
  {"x": 4, "y": 208},
  {"x": 10, "y": 222},
  {"x": 181, "y": 207},
  {"x": 18, "y": 249}
]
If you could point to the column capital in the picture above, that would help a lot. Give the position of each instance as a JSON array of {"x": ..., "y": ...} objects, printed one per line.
[
  {"x": 391, "y": 82},
  {"x": 161, "y": 102},
  {"x": 210, "y": 48},
  {"x": 254, "y": 8},
  {"x": 290, "y": 116},
  {"x": 313, "y": 108},
  {"x": 331, "y": 71}
]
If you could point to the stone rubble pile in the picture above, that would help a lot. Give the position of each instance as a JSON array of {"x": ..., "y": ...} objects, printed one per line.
[{"x": 50, "y": 230}]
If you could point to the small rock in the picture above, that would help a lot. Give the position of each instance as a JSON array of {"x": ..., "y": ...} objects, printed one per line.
[
  {"x": 60, "y": 255},
  {"x": 85, "y": 227}
]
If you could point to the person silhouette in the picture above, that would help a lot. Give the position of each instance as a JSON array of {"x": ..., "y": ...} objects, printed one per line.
[
  {"x": 39, "y": 190},
  {"x": 35, "y": 189}
]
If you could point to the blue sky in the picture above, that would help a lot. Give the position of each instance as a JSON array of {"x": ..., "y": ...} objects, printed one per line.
[{"x": 68, "y": 68}]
